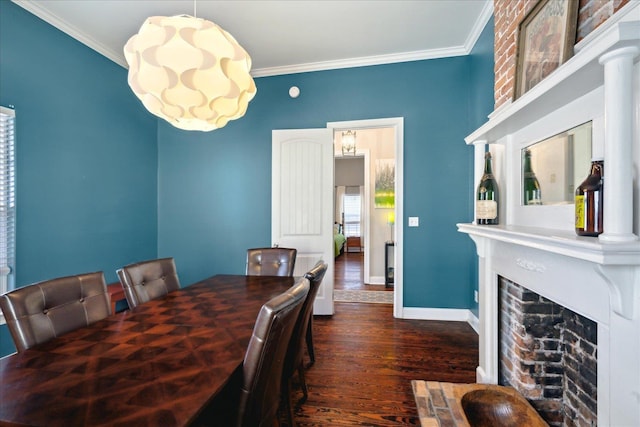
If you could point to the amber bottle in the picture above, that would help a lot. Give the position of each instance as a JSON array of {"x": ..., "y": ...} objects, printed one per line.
[{"x": 589, "y": 202}]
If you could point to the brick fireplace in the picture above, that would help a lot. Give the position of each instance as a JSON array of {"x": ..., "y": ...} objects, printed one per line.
[
  {"x": 549, "y": 354},
  {"x": 580, "y": 295}
]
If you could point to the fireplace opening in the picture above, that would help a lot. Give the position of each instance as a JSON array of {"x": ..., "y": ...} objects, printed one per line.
[{"x": 548, "y": 353}]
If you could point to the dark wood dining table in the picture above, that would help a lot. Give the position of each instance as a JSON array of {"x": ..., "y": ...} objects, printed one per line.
[{"x": 158, "y": 364}]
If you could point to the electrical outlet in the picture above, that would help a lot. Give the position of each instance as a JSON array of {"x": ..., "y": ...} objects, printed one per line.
[
  {"x": 414, "y": 221},
  {"x": 475, "y": 296}
]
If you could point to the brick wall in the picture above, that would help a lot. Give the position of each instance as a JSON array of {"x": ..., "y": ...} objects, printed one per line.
[
  {"x": 509, "y": 13},
  {"x": 549, "y": 354}
]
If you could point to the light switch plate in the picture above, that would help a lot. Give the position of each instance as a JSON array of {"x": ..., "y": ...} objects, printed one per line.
[{"x": 414, "y": 221}]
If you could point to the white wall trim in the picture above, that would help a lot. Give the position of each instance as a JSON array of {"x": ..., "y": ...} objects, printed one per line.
[
  {"x": 118, "y": 57},
  {"x": 376, "y": 280},
  {"x": 474, "y": 322},
  {"x": 481, "y": 22},
  {"x": 361, "y": 62},
  {"x": 65, "y": 27},
  {"x": 442, "y": 314}
]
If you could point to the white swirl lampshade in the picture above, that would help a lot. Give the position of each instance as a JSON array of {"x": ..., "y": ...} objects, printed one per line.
[{"x": 190, "y": 72}]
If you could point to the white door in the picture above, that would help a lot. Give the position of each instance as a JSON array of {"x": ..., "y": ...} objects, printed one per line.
[{"x": 302, "y": 202}]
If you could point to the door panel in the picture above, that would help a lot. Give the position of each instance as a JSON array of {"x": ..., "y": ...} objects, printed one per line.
[{"x": 302, "y": 202}]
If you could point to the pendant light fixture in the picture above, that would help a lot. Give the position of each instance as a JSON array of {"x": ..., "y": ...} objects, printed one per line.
[
  {"x": 190, "y": 72},
  {"x": 349, "y": 142}
]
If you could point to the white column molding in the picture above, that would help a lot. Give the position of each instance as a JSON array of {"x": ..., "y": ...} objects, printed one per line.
[
  {"x": 487, "y": 370},
  {"x": 618, "y": 175}
]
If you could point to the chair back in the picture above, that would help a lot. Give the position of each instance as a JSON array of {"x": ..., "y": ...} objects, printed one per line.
[
  {"x": 271, "y": 261},
  {"x": 296, "y": 348},
  {"x": 264, "y": 358},
  {"x": 147, "y": 280},
  {"x": 42, "y": 311}
]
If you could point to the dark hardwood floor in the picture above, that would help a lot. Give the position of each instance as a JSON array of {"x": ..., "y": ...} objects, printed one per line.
[
  {"x": 366, "y": 359},
  {"x": 349, "y": 273}
]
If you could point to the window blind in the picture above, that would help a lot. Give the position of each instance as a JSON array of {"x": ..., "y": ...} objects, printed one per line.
[
  {"x": 7, "y": 197},
  {"x": 351, "y": 214}
]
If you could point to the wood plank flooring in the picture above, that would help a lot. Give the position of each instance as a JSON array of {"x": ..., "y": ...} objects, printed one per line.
[
  {"x": 349, "y": 273},
  {"x": 365, "y": 360}
]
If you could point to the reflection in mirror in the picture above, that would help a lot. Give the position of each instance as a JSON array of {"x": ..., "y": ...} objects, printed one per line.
[{"x": 554, "y": 167}]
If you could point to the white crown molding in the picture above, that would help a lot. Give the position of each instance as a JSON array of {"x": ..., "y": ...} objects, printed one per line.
[
  {"x": 361, "y": 62},
  {"x": 34, "y": 8},
  {"x": 481, "y": 22},
  {"x": 118, "y": 57},
  {"x": 474, "y": 35}
]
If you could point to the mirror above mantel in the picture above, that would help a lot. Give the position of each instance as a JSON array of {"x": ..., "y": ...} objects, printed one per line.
[{"x": 558, "y": 164}]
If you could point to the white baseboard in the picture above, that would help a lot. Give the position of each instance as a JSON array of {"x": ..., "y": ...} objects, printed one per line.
[
  {"x": 482, "y": 377},
  {"x": 474, "y": 322},
  {"x": 376, "y": 280},
  {"x": 444, "y": 314}
]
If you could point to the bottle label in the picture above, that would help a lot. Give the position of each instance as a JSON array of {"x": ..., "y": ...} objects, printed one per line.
[
  {"x": 486, "y": 209},
  {"x": 579, "y": 211}
]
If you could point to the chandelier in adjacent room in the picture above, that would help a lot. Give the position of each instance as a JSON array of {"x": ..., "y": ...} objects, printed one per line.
[{"x": 349, "y": 142}]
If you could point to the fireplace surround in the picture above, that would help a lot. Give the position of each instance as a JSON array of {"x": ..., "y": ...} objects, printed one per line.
[
  {"x": 536, "y": 247},
  {"x": 549, "y": 354}
]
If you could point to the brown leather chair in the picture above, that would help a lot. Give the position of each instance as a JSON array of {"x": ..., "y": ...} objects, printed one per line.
[
  {"x": 293, "y": 360},
  {"x": 42, "y": 311},
  {"x": 271, "y": 261},
  {"x": 264, "y": 360},
  {"x": 147, "y": 280},
  {"x": 252, "y": 398},
  {"x": 315, "y": 274}
]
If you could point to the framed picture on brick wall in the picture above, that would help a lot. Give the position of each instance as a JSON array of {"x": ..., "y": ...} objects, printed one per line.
[{"x": 546, "y": 37}]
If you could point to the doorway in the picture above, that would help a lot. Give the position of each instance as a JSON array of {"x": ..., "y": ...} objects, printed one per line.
[{"x": 380, "y": 143}]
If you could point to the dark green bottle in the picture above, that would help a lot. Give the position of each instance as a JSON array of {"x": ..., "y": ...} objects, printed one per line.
[
  {"x": 531, "y": 186},
  {"x": 487, "y": 195}
]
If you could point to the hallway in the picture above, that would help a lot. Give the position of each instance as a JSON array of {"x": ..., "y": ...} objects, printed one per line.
[{"x": 349, "y": 274}]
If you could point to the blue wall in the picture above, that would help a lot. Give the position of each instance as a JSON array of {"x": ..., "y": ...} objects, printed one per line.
[
  {"x": 101, "y": 183},
  {"x": 86, "y": 156},
  {"x": 215, "y": 188},
  {"x": 481, "y": 61}
]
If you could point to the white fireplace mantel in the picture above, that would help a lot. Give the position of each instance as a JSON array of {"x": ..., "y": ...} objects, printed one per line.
[
  {"x": 536, "y": 246},
  {"x": 618, "y": 264}
]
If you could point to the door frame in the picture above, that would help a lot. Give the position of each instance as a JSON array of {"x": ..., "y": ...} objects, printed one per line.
[{"x": 397, "y": 123}]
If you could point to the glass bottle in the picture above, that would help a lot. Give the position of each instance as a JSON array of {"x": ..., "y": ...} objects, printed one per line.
[
  {"x": 589, "y": 201},
  {"x": 487, "y": 195},
  {"x": 530, "y": 184}
]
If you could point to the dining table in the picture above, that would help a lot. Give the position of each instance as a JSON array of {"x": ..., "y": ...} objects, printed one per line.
[{"x": 158, "y": 364}]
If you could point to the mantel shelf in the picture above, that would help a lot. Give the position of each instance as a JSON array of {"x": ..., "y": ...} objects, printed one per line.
[
  {"x": 560, "y": 242},
  {"x": 580, "y": 75}
]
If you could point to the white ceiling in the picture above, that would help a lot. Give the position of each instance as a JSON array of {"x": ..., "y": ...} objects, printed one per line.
[{"x": 289, "y": 36}]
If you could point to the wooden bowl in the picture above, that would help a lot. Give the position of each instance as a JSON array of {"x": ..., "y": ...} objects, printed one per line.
[{"x": 499, "y": 406}]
